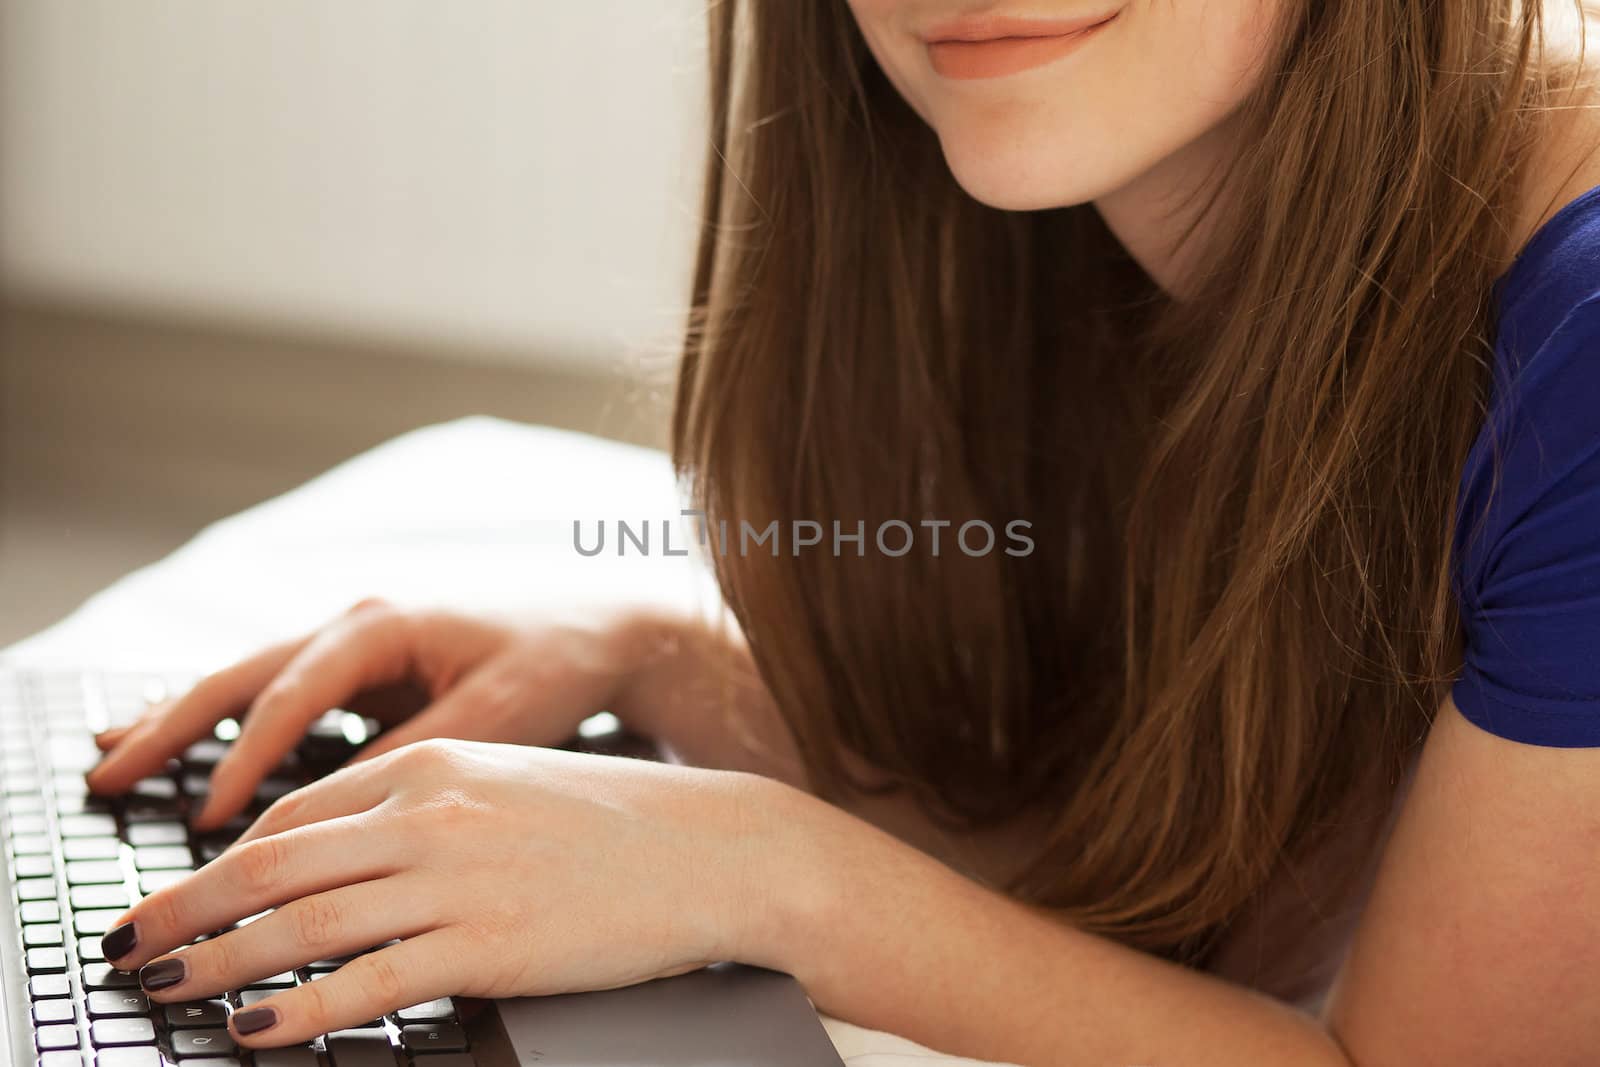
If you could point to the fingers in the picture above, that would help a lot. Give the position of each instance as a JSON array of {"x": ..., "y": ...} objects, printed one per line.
[
  {"x": 347, "y": 791},
  {"x": 472, "y": 711},
  {"x": 423, "y": 968},
  {"x": 109, "y": 738},
  {"x": 106, "y": 740},
  {"x": 251, "y": 878},
  {"x": 366, "y": 648},
  {"x": 339, "y": 922},
  {"x": 148, "y": 744}
]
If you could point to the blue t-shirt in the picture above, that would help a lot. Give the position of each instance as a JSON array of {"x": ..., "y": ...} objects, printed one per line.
[{"x": 1527, "y": 543}]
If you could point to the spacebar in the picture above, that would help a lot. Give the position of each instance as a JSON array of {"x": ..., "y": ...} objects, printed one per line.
[{"x": 361, "y": 1050}]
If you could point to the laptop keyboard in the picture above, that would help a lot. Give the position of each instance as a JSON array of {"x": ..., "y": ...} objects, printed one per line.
[{"x": 77, "y": 862}]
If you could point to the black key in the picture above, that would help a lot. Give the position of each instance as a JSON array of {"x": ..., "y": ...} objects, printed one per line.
[
  {"x": 46, "y": 960},
  {"x": 210, "y": 850},
  {"x": 30, "y": 804},
  {"x": 154, "y": 789},
  {"x": 78, "y": 804},
  {"x": 135, "y": 814},
  {"x": 155, "y": 881},
  {"x": 428, "y": 1011},
  {"x": 293, "y": 1056},
  {"x": 234, "y": 827},
  {"x": 49, "y": 985},
  {"x": 207, "y": 753},
  {"x": 91, "y": 848},
  {"x": 202, "y": 1043},
  {"x": 52, "y": 1037},
  {"x": 332, "y": 964},
  {"x": 113, "y": 1003},
  {"x": 272, "y": 789},
  {"x": 449, "y": 1059},
  {"x": 122, "y": 1031},
  {"x": 54, "y": 1011},
  {"x": 88, "y": 826},
  {"x": 360, "y": 1048},
  {"x": 61, "y": 1059},
  {"x": 196, "y": 785},
  {"x": 158, "y": 833},
  {"x": 34, "y": 888},
  {"x": 129, "y": 1056},
  {"x": 40, "y": 911},
  {"x": 95, "y": 921},
  {"x": 433, "y": 1037},
  {"x": 69, "y": 785},
  {"x": 94, "y": 872},
  {"x": 105, "y": 976},
  {"x": 31, "y": 845},
  {"x": 36, "y": 867},
  {"x": 197, "y": 1014},
  {"x": 163, "y": 858},
  {"x": 30, "y": 824},
  {"x": 73, "y": 752},
  {"x": 99, "y": 896},
  {"x": 276, "y": 981},
  {"x": 42, "y": 935}
]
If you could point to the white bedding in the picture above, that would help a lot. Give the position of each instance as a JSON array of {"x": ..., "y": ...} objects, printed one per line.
[{"x": 476, "y": 513}]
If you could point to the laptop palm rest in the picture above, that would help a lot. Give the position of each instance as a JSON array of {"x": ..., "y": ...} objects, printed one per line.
[{"x": 723, "y": 1016}]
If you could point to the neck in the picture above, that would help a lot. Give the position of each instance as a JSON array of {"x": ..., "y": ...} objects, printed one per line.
[{"x": 1157, "y": 216}]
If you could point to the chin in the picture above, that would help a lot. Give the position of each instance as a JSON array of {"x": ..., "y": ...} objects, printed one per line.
[{"x": 1022, "y": 173}]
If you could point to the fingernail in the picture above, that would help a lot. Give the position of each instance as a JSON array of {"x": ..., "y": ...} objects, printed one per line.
[
  {"x": 161, "y": 974},
  {"x": 119, "y": 941},
  {"x": 254, "y": 1020}
]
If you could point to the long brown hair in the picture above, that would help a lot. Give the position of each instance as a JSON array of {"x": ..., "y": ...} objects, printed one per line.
[{"x": 1239, "y": 615}]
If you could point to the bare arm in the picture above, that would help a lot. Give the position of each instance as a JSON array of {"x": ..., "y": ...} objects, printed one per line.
[
  {"x": 696, "y": 691},
  {"x": 1478, "y": 948}
]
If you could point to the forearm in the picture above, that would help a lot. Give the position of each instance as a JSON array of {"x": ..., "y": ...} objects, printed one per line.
[
  {"x": 886, "y": 937},
  {"x": 694, "y": 688}
]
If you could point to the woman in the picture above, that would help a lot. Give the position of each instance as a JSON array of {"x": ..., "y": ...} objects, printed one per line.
[{"x": 1271, "y": 323}]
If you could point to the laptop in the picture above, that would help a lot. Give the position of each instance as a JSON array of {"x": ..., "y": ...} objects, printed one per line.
[{"x": 74, "y": 862}]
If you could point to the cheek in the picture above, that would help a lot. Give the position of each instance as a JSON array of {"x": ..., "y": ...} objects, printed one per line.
[
  {"x": 886, "y": 27},
  {"x": 1158, "y": 78}
]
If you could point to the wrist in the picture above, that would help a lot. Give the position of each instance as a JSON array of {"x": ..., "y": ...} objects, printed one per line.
[
  {"x": 786, "y": 895},
  {"x": 653, "y": 648}
]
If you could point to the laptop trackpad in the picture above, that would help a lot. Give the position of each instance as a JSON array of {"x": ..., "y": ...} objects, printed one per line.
[{"x": 723, "y": 1016}]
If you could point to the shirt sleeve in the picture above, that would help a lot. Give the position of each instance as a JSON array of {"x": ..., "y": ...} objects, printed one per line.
[{"x": 1528, "y": 548}]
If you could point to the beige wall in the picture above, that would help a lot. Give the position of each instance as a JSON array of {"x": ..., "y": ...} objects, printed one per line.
[{"x": 512, "y": 174}]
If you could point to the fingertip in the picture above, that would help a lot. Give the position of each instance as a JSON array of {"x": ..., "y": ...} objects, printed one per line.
[
  {"x": 106, "y": 740},
  {"x": 210, "y": 815},
  {"x": 252, "y": 1024},
  {"x": 102, "y": 777},
  {"x": 226, "y": 796}
]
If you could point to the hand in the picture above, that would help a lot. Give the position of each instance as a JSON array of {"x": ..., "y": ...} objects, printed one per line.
[
  {"x": 504, "y": 871},
  {"x": 434, "y": 673}
]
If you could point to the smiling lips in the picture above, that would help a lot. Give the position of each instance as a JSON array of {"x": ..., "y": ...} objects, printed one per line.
[{"x": 989, "y": 47}]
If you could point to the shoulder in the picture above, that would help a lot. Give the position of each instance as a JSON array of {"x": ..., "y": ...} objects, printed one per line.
[
  {"x": 1528, "y": 521},
  {"x": 1564, "y": 158},
  {"x": 1527, "y": 548}
]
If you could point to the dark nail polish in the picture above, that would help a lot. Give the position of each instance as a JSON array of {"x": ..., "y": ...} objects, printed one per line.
[
  {"x": 254, "y": 1020},
  {"x": 119, "y": 941},
  {"x": 162, "y": 974}
]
